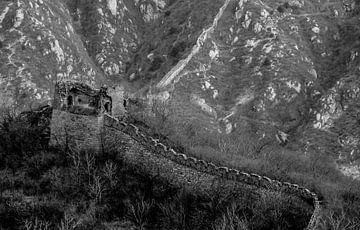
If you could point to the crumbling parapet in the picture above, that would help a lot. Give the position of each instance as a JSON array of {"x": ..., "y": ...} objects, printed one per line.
[
  {"x": 77, "y": 117},
  {"x": 79, "y": 98},
  {"x": 119, "y": 100}
]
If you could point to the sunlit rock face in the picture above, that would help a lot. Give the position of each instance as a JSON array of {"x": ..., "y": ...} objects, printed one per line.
[
  {"x": 110, "y": 30},
  {"x": 170, "y": 37},
  {"x": 38, "y": 47},
  {"x": 150, "y": 10},
  {"x": 114, "y": 30},
  {"x": 42, "y": 41},
  {"x": 337, "y": 111},
  {"x": 285, "y": 71},
  {"x": 256, "y": 62},
  {"x": 338, "y": 114}
]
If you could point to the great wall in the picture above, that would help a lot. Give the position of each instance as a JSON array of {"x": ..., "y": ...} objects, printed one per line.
[
  {"x": 87, "y": 128},
  {"x": 220, "y": 171}
]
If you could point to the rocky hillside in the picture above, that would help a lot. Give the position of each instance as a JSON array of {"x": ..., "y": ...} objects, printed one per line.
[
  {"x": 43, "y": 41},
  {"x": 285, "y": 71}
]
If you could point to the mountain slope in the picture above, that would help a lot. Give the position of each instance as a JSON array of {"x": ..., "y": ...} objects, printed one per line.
[
  {"x": 38, "y": 47},
  {"x": 284, "y": 72},
  {"x": 257, "y": 64}
]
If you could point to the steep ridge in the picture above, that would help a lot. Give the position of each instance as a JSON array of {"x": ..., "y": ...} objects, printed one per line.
[
  {"x": 163, "y": 150},
  {"x": 43, "y": 41},
  {"x": 111, "y": 31},
  {"x": 282, "y": 70},
  {"x": 171, "y": 37},
  {"x": 240, "y": 67},
  {"x": 175, "y": 71},
  {"x": 39, "y": 46},
  {"x": 115, "y": 30}
]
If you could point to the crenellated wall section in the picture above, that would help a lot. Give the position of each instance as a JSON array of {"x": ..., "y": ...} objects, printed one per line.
[{"x": 226, "y": 173}]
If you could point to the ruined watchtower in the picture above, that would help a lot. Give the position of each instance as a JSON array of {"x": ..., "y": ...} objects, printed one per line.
[{"x": 78, "y": 115}]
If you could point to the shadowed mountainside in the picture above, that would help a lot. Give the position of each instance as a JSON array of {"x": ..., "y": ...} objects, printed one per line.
[
  {"x": 279, "y": 76},
  {"x": 285, "y": 71}
]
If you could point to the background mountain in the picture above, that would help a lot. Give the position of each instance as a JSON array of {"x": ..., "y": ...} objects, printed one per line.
[{"x": 286, "y": 73}]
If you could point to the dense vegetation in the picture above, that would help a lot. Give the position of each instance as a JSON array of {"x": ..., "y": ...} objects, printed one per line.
[{"x": 48, "y": 188}]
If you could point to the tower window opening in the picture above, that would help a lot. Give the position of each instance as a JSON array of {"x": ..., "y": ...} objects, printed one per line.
[
  {"x": 125, "y": 103},
  {"x": 107, "y": 107},
  {"x": 70, "y": 100},
  {"x": 92, "y": 103}
]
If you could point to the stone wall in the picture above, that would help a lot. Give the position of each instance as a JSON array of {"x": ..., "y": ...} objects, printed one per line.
[
  {"x": 118, "y": 97},
  {"x": 162, "y": 150},
  {"x": 78, "y": 132}
]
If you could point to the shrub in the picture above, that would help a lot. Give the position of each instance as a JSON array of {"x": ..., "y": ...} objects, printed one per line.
[
  {"x": 230, "y": 220},
  {"x": 139, "y": 212},
  {"x": 34, "y": 166},
  {"x": 333, "y": 221},
  {"x": 20, "y": 137},
  {"x": 36, "y": 224},
  {"x": 178, "y": 49},
  {"x": 180, "y": 212},
  {"x": 156, "y": 63},
  {"x": 69, "y": 222}
]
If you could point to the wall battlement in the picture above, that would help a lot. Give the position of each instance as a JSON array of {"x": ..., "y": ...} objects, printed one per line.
[
  {"x": 79, "y": 98},
  {"x": 226, "y": 173},
  {"x": 77, "y": 118},
  {"x": 80, "y": 113}
]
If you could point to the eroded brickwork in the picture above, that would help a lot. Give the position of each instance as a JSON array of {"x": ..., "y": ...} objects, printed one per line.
[
  {"x": 156, "y": 146},
  {"x": 75, "y": 131},
  {"x": 78, "y": 113},
  {"x": 119, "y": 101}
]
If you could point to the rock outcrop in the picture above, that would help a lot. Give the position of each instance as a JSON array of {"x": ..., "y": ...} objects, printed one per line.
[
  {"x": 39, "y": 45},
  {"x": 43, "y": 41},
  {"x": 286, "y": 71}
]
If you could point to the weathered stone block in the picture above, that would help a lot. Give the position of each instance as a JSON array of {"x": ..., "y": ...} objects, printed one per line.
[
  {"x": 75, "y": 131},
  {"x": 118, "y": 101}
]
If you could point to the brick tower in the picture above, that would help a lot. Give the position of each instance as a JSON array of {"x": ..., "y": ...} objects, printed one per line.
[{"x": 78, "y": 115}]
